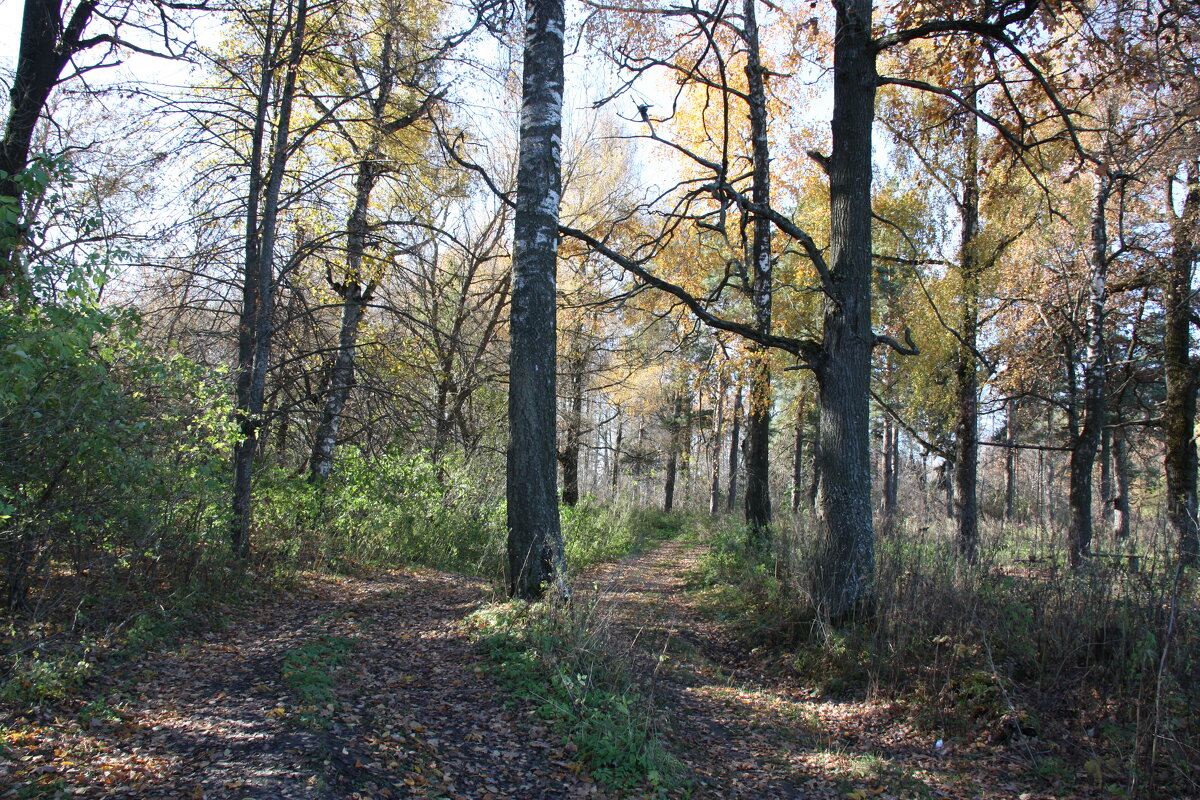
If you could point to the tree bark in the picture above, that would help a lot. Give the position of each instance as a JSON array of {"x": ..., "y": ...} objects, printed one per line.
[
  {"x": 734, "y": 449},
  {"x": 535, "y": 548},
  {"x": 569, "y": 457},
  {"x": 1179, "y": 406},
  {"x": 966, "y": 428},
  {"x": 1121, "y": 511},
  {"x": 256, "y": 326},
  {"x": 1087, "y": 444},
  {"x": 798, "y": 458},
  {"x": 1010, "y": 460},
  {"x": 758, "y": 425},
  {"x": 845, "y": 530},
  {"x": 46, "y": 47},
  {"x": 891, "y": 473},
  {"x": 714, "y": 494}
]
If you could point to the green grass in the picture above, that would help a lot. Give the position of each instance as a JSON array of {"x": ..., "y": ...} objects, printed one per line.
[
  {"x": 310, "y": 673},
  {"x": 557, "y": 660}
]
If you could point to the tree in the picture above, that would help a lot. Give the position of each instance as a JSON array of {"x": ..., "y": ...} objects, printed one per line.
[
  {"x": 50, "y": 40},
  {"x": 535, "y": 549},
  {"x": 256, "y": 323}
]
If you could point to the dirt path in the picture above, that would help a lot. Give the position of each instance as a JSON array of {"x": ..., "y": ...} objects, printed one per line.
[
  {"x": 747, "y": 729},
  {"x": 416, "y": 715}
]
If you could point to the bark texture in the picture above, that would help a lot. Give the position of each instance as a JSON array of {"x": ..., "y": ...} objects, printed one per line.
[
  {"x": 535, "y": 548},
  {"x": 1087, "y": 443},
  {"x": 758, "y": 424},
  {"x": 966, "y": 427},
  {"x": 845, "y": 530},
  {"x": 1179, "y": 406},
  {"x": 255, "y": 330}
]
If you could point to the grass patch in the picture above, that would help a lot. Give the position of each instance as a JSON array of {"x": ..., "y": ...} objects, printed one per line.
[
  {"x": 310, "y": 673},
  {"x": 563, "y": 661}
]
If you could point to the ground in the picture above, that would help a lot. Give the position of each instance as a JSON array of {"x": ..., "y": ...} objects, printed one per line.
[{"x": 414, "y": 711}]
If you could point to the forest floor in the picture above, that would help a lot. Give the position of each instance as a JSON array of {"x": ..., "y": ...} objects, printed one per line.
[{"x": 414, "y": 710}]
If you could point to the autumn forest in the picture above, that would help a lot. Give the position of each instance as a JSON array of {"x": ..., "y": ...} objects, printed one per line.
[{"x": 713, "y": 398}]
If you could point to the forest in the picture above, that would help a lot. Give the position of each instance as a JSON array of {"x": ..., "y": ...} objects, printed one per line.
[{"x": 698, "y": 398}]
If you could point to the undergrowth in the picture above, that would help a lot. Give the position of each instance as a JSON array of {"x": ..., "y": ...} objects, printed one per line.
[
  {"x": 564, "y": 661},
  {"x": 1103, "y": 662}
]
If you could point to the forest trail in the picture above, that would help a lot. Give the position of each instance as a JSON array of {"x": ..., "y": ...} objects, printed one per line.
[
  {"x": 415, "y": 713},
  {"x": 746, "y": 728}
]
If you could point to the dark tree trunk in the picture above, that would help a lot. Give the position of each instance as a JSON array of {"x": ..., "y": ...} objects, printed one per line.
[
  {"x": 679, "y": 431},
  {"x": 846, "y": 550},
  {"x": 669, "y": 488},
  {"x": 734, "y": 449},
  {"x": 616, "y": 458},
  {"x": 758, "y": 433},
  {"x": 1010, "y": 461},
  {"x": 714, "y": 494},
  {"x": 258, "y": 299},
  {"x": 1179, "y": 406},
  {"x": 966, "y": 427},
  {"x": 798, "y": 458},
  {"x": 569, "y": 457},
  {"x": 1121, "y": 511},
  {"x": 535, "y": 548},
  {"x": 1087, "y": 443},
  {"x": 45, "y": 49}
]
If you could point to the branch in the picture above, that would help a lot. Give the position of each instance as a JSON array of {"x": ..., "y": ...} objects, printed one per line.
[
  {"x": 805, "y": 349},
  {"x": 415, "y": 114},
  {"x": 991, "y": 30},
  {"x": 906, "y": 349},
  {"x": 928, "y": 445}
]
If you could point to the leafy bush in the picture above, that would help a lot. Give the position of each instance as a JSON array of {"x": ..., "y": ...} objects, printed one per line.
[
  {"x": 111, "y": 456},
  {"x": 384, "y": 511}
]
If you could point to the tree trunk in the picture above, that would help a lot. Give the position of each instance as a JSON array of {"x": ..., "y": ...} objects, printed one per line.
[
  {"x": 45, "y": 48},
  {"x": 569, "y": 457},
  {"x": 758, "y": 432},
  {"x": 355, "y": 290},
  {"x": 1121, "y": 511},
  {"x": 891, "y": 473},
  {"x": 1083, "y": 455},
  {"x": 535, "y": 548},
  {"x": 1010, "y": 460},
  {"x": 616, "y": 458},
  {"x": 714, "y": 494},
  {"x": 966, "y": 427},
  {"x": 355, "y": 298},
  {"x": 798, "y": 458},
  {"x": 258, "y": 299},
  {"x": 734, "y": 449},
  {"x": 846, "y": 550},
  {"x": 1179, "y": 406}
]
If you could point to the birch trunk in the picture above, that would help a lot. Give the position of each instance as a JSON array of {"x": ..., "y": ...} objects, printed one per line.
[
  {"x": 758, "y": 433},
  {"x": 535, "y": 549}
]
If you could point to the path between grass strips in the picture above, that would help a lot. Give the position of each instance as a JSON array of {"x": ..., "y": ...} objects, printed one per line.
[{"x": 414, "y": 713}]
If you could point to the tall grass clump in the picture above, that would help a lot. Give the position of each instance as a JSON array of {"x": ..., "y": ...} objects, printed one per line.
[
  {"x": 566, "y": 661},
  {"x": 1015, "y": 648}
]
